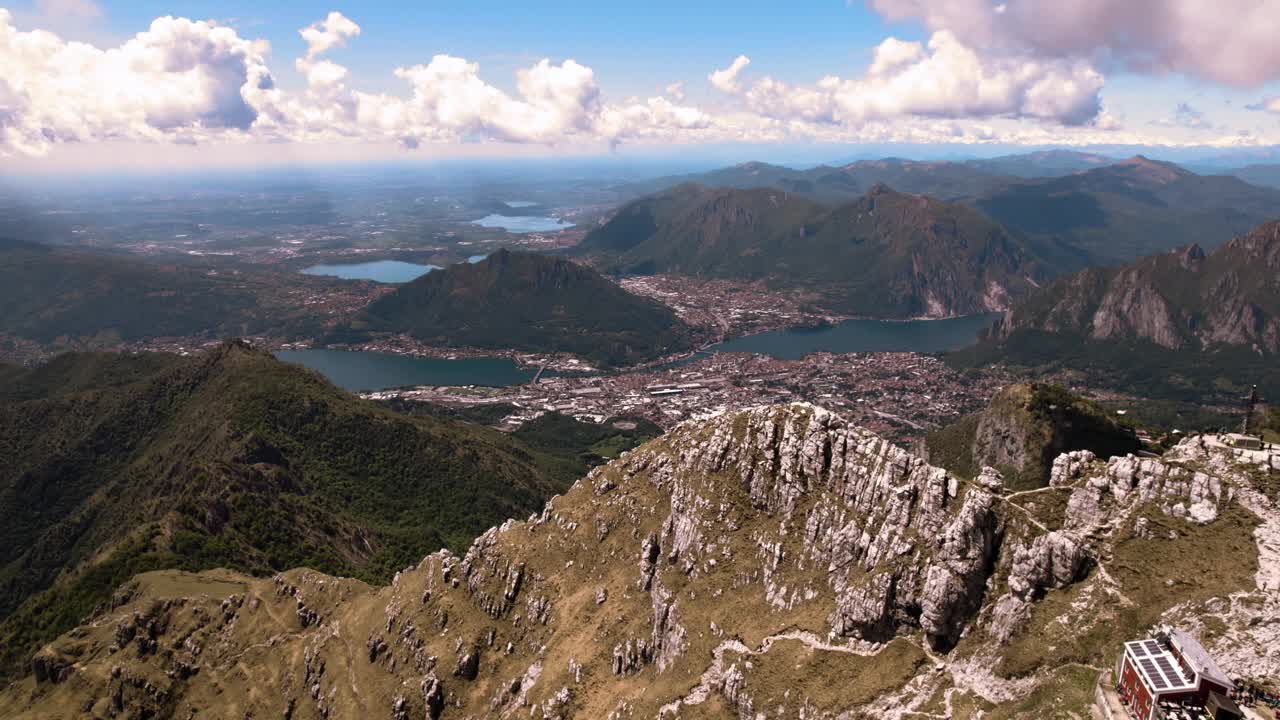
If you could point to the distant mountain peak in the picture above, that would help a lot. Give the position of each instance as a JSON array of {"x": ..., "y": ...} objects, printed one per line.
[
  {"x": 890, "y": 162},
  {"x": 1192, "y": 256},
  {"x": 233, "y": 349},
  {"x": 528, "y": 301},
  {"x": 1153, "y": 170},
  {"x": 1262, "y": 242}
]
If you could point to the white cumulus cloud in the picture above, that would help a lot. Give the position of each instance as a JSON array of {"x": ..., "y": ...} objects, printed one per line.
[
  {"x": 980, "y": 77},
  {"x": 727, "y": 79},
  {"x": 193, "y": 81},
  {"x": 944, "y": 79},
  {"x": 449, "y": 101},
  {"x": 893, "y": 54},
  {"x": 325, "y": 77},
  {"x": 178, "y": 76},
  {"x": 326, "y": 34},
  {"x": 1225, "y": 41}
]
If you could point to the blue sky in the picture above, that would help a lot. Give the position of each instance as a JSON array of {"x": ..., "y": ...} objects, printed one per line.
[
  {"x": 639, "y": 45},
  {"x": 1017, "y": 72}
]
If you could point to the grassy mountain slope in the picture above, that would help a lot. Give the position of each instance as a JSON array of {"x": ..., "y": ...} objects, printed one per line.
[
  {"x": 1133, "y": 208},
  {"x": 835, "y": 184},
  {"x": 115, "y": 464},
  {"x": 529, "y": 302},
  {"x": 939, "y": 179},
  {"x": 884, "y": 254},
  {"x": 1267, "y": 175},
  {"x": 73, "y": 298},
  {"x": 573, "y": 446},
  {"x": 1041, "y": 163},
  {"x": 772, "y": 558}
]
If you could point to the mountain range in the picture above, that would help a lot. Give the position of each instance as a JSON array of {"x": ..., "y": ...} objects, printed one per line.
[
  {"x": 833, "y": 184},
  {"x": 940, "y": 178},
  {"x": 772, "y": 560},
  {"x": 531, "y": 302},
  {"x": 884, "y": 254},
  {"x": 1108, "y": 211},
  {"x": 1132, "y": 208}
]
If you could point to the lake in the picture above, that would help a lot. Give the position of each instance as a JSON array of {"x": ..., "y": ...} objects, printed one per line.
[
  {"x": 923, "y": 336},
  {"x": 517, "y": 224},
  {"x": 383, "y": 271},
  {"x": 367, "y": 371},
  {"x": 517, "y": 204}
]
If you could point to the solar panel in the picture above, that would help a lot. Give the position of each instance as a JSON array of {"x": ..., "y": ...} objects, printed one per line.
[
  {"x": 1153, "y": 647},
  {"x": 1157, "y": 680},
  {"x": 1174, "y": 676},
  {"x": 1139, "y": 650}
]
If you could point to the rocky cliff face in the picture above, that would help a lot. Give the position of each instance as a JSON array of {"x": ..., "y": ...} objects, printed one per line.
[
  {"x": 1022, "y": 430},
  {"x": 770, "y": 560},
  {"x": 1180, "y": 299}
]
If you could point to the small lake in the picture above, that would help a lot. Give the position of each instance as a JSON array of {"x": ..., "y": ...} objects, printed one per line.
[
  {"x": 517, "y": 204},
  {"x": 518, "y": 224},
  {"x": 922, "y": 336},
  {"x": 383, "y": 271},
  {"x": 366, "y": 371}
]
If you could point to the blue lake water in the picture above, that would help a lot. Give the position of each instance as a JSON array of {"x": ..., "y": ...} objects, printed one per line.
[
  {"x": 519, "y": 203},
  {"x": 923, "y": 336},
  {"x": 476, "y": 258},
  {"x": 518, "y": 224},
  {"x": 383, "y": 271},
  {"x": 365, "y": 371}
]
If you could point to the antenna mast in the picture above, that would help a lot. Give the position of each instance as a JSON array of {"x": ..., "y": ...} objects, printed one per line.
[{"x": 1248, "y": 413}]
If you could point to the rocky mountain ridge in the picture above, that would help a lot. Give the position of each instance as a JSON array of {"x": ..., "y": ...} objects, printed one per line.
[
  {"x": 770, "y": 560},
  {"x": 1182, "y": 299}
]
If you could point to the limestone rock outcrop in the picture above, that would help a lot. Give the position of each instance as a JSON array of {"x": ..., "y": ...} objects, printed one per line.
[
  {"x": 749, "y": 560},
  {"x": 1182, "y": 299}
]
